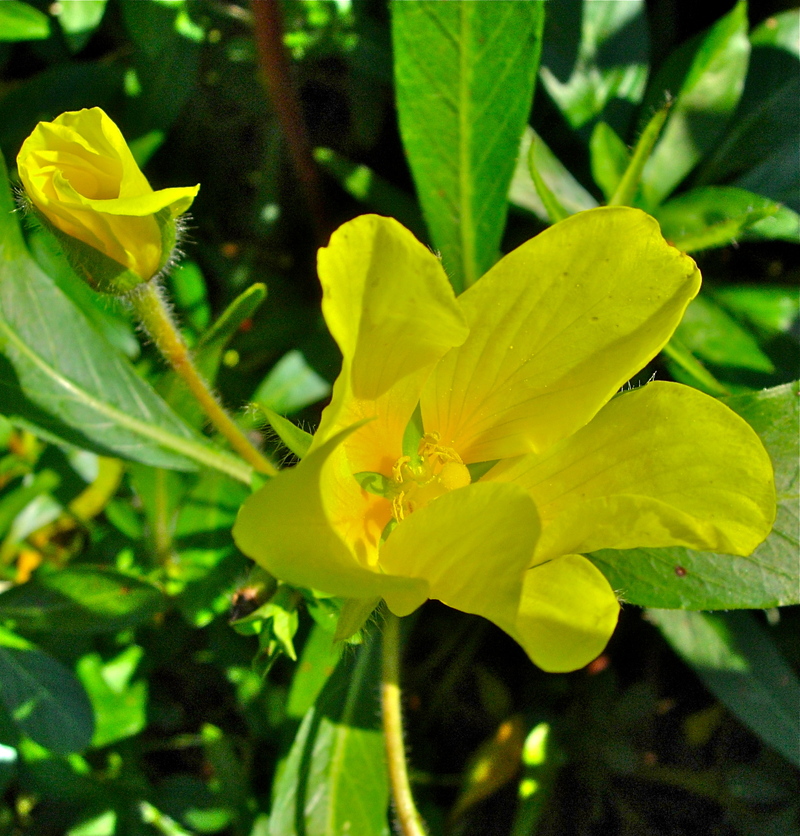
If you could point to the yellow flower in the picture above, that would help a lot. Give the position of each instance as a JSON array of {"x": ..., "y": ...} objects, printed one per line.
[
  {"x": 398, "y": 497},
  {"x": 81, "y": 176}
]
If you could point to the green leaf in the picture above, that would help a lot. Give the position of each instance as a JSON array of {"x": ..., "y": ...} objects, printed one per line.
[
  {"x": 317, "y": 662},
  {"x": 334, "y": 780},
  {"x": 44, "y": 699},
  {"x": 204, "y": 565},
  {"x": 609, "y": 157},
  {"x": 15, "y": 501},
  {"x": 706, "y": 79},
  {"x": 120, "y": 706},
  {"x": 712, "y": 216},
  {"x": 469, "y": 70},
  {"x": 291, "y": 385},
  {"x": 594, "y": 59},
  {"x": 555, "y": 211},
  {"x": 21, "y": 22},
  {"x": 763, "y": 132},
  {"x": 739, "y": 663},
  {"x": 686, "y": 368},
  {"x": 375, "y": 483},
  {"x": 79, "y": 19},
  {"x": 565, "y": 188},
  {"x": 772, "y": 309},
  {"x": 81, "y": 599},
  {"x": 90, "y": 388},
  {"x": 679, "y": 578},
  {"x": 708, "y": 331},
  {"x": 208, "y": 354}
]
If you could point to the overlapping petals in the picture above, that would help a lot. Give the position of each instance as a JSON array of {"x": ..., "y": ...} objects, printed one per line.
[
  {"x": 80, "y": 174},
  {"x": 521, "y": 369}
]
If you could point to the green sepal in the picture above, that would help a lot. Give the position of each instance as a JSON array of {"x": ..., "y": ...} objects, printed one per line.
[
  {"x": 354, "y": 615},
  {"x": 295, "y": 439},
  {"x": 104, "y": 274},
  {"x": 478, "y": 469}
]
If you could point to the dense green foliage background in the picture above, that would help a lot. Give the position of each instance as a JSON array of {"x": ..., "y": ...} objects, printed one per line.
[{"x": 128, "y": 702}]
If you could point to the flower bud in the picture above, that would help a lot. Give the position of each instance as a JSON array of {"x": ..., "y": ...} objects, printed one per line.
[{"x": 85, "y": 187}]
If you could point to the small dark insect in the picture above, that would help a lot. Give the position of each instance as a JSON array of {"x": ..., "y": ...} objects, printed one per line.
[{"x": 680, "y": 571}]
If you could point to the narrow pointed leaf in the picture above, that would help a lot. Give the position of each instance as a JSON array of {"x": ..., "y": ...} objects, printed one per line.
[{"x": 469, "y": 69}]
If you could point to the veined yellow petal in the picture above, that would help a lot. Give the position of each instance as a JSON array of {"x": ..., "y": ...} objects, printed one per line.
[
  {"x": 664, "y": 465},
  {"x": 391, "y": 310},
  {"x": 566, "y": 615},
  {"x": 287, "y": 528},
  {"x": 556, "y": 327},
  {"x": 472, "y": 547}
]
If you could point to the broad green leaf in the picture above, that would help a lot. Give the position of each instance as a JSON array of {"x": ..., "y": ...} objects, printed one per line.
[
  {"x": 205, "y": 566},
  {"x": 334, "y": 780},
  {"x": 686, "y": 368},
  {"x": 469, "y": 70},
  {"x": 739, "y": 663},
  {"x": 712, "y": 216},
  {"x": 79, "y": 19},
  {"x": 714, "y": 336},
  {"x": 107, "y": 314},
  {"x": 706, "y": 79},
  {"x": 14, "y": 501},
  {"x": 772, "y": 309},
  {"x": 784, "y": 225},
  {"x": 763, "y": 132},
  {"x": 318, "y": 661},
  {"x": 119, "y": 705},
  {"x": 89, "y": 388},
  {"x": 44, "y": 699},
  {"x": 594, "y": 59},
  {"x": 21, "y": 22},
  {"x": 609, "y": 157},
  {"x": 291, "y": 385},
  {"x": 188, "y": 289},
  {"x": 565, "y": 188},
  {"x": 679, "y": 578},
  {"x": 81, "y": 599}
]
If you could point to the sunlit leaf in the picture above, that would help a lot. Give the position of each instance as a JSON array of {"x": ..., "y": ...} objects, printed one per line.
[{"x": 469, "y": 69}]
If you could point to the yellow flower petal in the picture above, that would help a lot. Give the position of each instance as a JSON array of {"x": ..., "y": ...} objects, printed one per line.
[
  {"x": 472, "y": 547},
  {"x": 556, "y": 327},
  {"x": 391, "y": 310},
  {"x": 289, "y": 527},
  {"x": 663, "y": 465},
  {"x": 80, "y": 174},
  {"x": 567, "y": 614}
]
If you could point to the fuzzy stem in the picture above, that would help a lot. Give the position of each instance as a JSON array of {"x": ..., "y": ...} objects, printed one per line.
[
  {"x": 148, "y": 303},
  {"x": 408, "y": 818}
]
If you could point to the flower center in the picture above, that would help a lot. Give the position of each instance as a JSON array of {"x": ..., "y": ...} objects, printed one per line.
[{"x": 436, "y": 471}]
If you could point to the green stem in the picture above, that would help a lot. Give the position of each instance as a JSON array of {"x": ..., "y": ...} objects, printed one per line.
[
  {"x": 408, "y": 818},
  {"x": 151, "y": 309}
]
